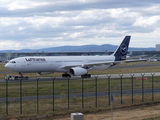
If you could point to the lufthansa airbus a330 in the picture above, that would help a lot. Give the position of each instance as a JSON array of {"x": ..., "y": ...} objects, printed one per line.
[{"x": 69, "y": 65}]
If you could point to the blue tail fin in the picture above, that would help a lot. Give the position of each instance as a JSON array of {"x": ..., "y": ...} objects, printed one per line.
[{"x": 122, "y": 50}]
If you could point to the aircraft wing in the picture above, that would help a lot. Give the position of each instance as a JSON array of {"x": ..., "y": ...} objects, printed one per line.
[
  {"x": 137, "y": 60},
  {"x": 135, "y": 57},
  {"x": 89, "y": 65}
]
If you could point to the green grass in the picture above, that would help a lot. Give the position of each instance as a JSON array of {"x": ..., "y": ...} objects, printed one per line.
[
  {"x": 61, "y": 88},
  {"x": 75, "y": 86},
  {"x": 2, "y": 68},
  {"x": 29, "y": 108}
]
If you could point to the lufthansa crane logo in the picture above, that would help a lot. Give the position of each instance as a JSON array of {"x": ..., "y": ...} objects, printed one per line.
[{"x": 123, "y": 49}]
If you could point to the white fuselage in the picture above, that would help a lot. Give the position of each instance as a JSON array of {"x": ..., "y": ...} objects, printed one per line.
[
  {"x": 70, "y": 65},
  {"x": 55, "y": 64}
]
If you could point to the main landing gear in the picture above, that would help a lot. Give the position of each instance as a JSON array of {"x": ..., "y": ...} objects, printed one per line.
[
  {"x": 83, "y": 76},
  {"x": 66, "y": 75},
  {"x": 86, "y": 76}
]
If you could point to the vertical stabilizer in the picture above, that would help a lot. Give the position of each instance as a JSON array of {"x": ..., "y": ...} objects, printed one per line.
[{"x": 122, "y": 50}]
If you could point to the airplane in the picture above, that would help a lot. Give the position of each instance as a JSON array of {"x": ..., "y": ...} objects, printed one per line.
[{"x": 70, "y": 65}]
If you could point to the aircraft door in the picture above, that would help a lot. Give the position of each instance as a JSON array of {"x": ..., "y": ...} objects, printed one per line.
[
  {"x": 23, "y": 63},
  {"x": 51, "y": 65}
]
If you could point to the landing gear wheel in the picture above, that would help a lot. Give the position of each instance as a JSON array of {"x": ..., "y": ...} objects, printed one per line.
[
  {"x": 86, "y": 76},
  {"x": 66, "y": 75}
]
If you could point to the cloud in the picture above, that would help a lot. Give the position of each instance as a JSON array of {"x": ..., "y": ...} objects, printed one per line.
[
  {"x": 28, "y": 24},
  {"x": 72, "y": 5}
]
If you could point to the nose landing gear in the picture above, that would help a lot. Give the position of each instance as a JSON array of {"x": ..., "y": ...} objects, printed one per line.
[{"x": 22, "y": 77}]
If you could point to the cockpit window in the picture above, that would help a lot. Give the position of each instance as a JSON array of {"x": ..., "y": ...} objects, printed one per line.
[{"x": 12, "y": 61}]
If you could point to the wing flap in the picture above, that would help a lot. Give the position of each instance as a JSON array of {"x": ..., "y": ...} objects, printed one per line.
[{"x": 139, "y": 60}]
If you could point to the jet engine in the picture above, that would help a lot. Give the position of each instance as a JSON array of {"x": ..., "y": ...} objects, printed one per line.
[{"x": 77, "y": 71}]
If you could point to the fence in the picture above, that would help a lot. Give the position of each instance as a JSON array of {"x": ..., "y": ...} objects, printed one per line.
[{"x": 43, "y": 95}]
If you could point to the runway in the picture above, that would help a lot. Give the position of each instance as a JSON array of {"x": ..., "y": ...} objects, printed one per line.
[{"x": 127, "y": 75}]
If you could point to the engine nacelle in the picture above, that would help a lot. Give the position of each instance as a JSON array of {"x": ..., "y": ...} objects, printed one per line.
[
  {"x": 44, "y": 73},
  {"x": 77, "y": 71}
]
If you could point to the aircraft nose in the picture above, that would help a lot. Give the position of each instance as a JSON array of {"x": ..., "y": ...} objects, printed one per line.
[{"x": 7, "y": 66}]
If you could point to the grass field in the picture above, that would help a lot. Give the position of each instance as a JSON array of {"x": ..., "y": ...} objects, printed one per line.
[
  {"x": 75, "y": 86},
  {"x": 45, "y": 106}
]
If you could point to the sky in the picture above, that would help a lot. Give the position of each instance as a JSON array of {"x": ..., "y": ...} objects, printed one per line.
[{"x": 35, "y": 24}]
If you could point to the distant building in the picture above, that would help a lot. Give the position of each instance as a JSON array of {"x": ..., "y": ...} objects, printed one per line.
[{"x": 157, "y": 47}]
